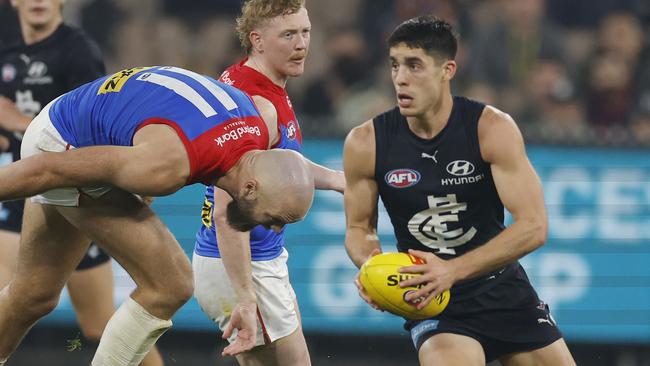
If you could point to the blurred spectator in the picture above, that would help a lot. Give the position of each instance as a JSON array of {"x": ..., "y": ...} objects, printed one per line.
[
  {"x": 200, "y": 9},
  {"x": 99, "y": 19},
  {"x": 512, "y": 55},
  {"x": 172, "y": 42},
  {"x": 505, "y": 54},
  {"x": 609, "y": 97},
  {"x": 483, "y": 93},
  {"x": 216, "y": 46},
  {"x": 588, "y": 13},
  {"x": 617, "y": 73},
  {"x": 9, "y": 29},
  {"x": 132, "y": 45},
  {"x": 640, "y": 126},
  {"x": 379, "y": 17},
  {"x": 348, "y": 57},
  {"x": 621, "y": 33}
]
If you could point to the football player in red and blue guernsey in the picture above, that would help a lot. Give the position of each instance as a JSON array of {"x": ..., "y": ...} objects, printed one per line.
[
  {"x": 147, "y": 131},
  {"x": 231, "y": 266}
]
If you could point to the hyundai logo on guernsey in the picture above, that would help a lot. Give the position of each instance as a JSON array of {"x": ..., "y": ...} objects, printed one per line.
[
  {"x": 462, "y": 169},
  {"x": 402, "y": 178}
]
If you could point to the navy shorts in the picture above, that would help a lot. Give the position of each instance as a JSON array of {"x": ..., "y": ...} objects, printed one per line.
[
  {"x": 506, "y": 318},
  {"x": 11, "y": 219},
  {"x": 11, "y": 215},
  {"x": 94, "y": 257}
]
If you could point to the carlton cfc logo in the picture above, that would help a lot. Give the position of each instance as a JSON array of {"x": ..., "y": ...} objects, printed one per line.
[{"x": 402, "y": 178}]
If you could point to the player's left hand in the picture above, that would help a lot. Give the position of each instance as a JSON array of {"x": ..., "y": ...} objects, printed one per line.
[
  {"x": 244, "y": 319},
  {"x": 437, "y": 275}
]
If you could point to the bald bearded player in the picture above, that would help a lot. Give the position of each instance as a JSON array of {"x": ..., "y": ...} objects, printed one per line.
[{"x": 146, "y": 131}]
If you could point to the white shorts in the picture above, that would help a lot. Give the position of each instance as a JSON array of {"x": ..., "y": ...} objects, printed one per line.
[
  {"x": 277, "y": 315},
  {"x": 41, "y": 136}
]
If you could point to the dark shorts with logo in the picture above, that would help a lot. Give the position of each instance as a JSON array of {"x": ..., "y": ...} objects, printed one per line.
[
  {"x": 11, "y": 219},
  {"x": 505, "y": 317}
]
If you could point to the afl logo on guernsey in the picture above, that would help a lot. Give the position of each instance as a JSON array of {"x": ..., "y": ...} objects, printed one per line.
[
  {"x": 402, "y": 178},
  {"x": 8, "y": 72},
  {"x": 291, "y": 130}
]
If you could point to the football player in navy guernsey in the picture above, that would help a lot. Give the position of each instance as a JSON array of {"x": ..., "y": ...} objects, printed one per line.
[
  {"x": 47, "y": 59},
  {"x": 445, "y": 167}
]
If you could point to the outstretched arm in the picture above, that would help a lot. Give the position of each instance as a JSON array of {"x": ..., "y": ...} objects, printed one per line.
[
  {"x": 234, "y": 247},
  {"x": 138, "y": 169},
  {"x": 360, "y": 194},
  {"x": 326, "y": 178}
]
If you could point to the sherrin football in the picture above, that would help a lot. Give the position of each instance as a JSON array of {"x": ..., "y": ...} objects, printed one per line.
[{"x": 380, "y": 278}]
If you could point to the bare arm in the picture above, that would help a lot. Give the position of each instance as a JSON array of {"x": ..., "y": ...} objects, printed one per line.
[
  {"x": 326, "y": 178},
  {"x": 137, "y": 169},
  {"x": 235, "y": 250},
  {"x": 520, "y": 191},
  {"x": 361, "y": 194},
  {"x": 234, "y": 247},
  {"x": 11, "y": 118},
  {"x": 269, "y": 115}
]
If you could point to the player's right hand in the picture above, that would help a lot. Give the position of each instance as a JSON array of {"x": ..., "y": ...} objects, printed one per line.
[
  {"x": 244, "y": 319},
  {"x": 362, "y": 291}
]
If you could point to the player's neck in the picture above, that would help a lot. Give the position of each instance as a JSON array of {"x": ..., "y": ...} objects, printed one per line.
[
  {"x": 33, "y": 34},
  {"x": 258, "y": 64},
  {"x": 434, "y": 119},
  {"x": 233, "y": 180}
]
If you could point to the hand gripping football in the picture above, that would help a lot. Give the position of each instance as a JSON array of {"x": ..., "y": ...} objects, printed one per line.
[{"x": 380, "y": 277}]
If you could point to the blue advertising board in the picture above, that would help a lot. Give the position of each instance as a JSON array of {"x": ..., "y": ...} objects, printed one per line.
[{"x": 594, "y": 270}]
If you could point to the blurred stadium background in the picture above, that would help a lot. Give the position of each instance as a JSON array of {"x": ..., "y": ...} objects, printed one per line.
[{"x": 574, "y": 74}]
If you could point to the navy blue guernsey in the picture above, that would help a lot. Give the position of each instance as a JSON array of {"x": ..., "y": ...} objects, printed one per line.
[{"x": 439, "y": 193}]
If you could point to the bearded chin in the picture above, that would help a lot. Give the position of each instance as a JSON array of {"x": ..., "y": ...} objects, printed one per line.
[{"x": 239, "y": 217}]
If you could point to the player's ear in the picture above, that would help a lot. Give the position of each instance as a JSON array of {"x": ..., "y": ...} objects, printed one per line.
[
  {"x": 449, "y": 69},
  {"x": 256, "y": 41},
  {"x": 249, "y": 190}
]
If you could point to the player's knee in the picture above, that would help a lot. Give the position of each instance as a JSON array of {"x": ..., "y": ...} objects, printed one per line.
[
  {"x": 38, "y": 303},
  {"x": 183, "y": 292},
  {"x": 181, "y": 288}
]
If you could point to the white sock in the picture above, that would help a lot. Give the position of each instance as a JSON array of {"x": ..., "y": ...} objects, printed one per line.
[
  {"x": 3, "y": 361},
  {"x": 129, "y": 336}
]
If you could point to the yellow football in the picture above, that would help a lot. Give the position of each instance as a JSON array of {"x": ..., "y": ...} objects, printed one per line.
[{"x": 380, "y": 278}]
